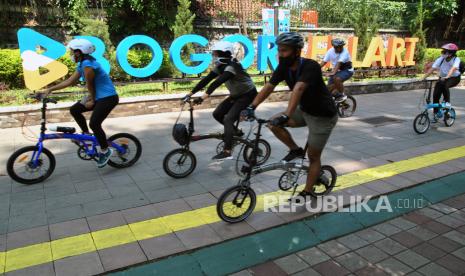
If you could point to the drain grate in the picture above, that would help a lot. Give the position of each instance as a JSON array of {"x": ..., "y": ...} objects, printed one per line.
[{"x": 381, "y": 120}]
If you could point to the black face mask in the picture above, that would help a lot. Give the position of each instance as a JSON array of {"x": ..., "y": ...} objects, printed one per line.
[{"x": 287, "y": 61}]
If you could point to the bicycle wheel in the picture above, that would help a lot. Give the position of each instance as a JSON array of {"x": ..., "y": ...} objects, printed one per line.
[
  {"x": 449, "y": 117},
  {"x": 236, "y": 204},
  {"x": 347, "y": 107},
  {"x": 326, "y": 181},
  {"x": 287, "y": 181},
  {"x": 264, "y": 152},
  {"x": 22, "y": 168},
  {"x": 421, "y": 123},
  {"x": 132, "y": 150},
  {"x": 179, "y": 163}
]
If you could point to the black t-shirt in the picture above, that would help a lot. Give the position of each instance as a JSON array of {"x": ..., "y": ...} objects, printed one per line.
[{"x": 316, "y": 99}]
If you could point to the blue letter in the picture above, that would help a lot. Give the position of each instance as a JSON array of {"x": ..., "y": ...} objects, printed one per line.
[
  {"x": 99, "y": 51},
  {"x": 175, "y": 54},
  {"x": 267, "y": 50},
  {"x": 248, "y": 48},
  {"x": 127, "y": 43},
  {"x": 28, "y": 39}
]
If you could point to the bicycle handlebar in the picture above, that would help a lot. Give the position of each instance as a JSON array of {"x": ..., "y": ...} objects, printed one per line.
[{"x": 43, "y": 98}]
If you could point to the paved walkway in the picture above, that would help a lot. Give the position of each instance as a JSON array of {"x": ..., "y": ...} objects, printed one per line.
[{"x": 102, "y": 220}]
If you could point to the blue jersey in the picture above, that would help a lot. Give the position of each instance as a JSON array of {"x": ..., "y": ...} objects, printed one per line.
[{"x": 103, "y": 85}]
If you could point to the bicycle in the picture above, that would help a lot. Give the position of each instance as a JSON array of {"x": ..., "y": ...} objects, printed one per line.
[
  {"x": 181, "y": 162},
  {"x": 347, "y": 107},
  {"x": 242, "y": 197},
  {"x": 422, "y": 121},
  {"x": 38, "y": 162}
]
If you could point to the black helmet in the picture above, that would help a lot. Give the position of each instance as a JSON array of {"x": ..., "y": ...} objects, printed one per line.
[
  {"x": 291, "y": 39},
  {"x": 337, "y": 42}
]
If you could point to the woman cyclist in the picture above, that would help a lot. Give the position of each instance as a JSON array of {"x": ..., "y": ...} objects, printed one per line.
[
  {"x": 241, "y": 88},
  {"x": 448, "y": 65},
  {"x": 102, "y": 97}
]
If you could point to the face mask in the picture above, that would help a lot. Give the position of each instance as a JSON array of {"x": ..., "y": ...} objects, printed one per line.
[{"x": 287, "y": 61}]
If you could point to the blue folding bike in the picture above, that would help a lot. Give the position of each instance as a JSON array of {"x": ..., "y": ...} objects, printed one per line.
[
  {"x": 422, "y": 121},
  {"x": 34, "y": 164}
]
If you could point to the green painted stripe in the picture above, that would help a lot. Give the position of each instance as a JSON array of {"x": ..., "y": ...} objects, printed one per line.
[{"x": 238, "y": 254}]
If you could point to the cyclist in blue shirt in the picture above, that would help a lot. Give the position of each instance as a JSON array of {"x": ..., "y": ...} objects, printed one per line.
[{"x": 102, "y": 97}]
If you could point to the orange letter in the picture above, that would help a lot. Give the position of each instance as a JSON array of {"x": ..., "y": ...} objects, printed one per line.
[
  {"x": 352, "y": 46},
  {"x": 396, "y": 46},
  {"x": 375, "y": 53},
  {"x": 410, "y": 45}
]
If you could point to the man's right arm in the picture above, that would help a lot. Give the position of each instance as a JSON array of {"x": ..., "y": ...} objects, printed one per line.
[{"x": 264, "y": 93}]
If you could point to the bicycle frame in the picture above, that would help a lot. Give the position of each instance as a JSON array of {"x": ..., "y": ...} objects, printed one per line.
[
  {"x": 430, "y": 105},
  {"x": 82, "y": 138}
]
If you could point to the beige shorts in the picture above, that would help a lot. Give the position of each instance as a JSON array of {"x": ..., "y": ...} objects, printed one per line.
[{"x": 319, "y": 128}]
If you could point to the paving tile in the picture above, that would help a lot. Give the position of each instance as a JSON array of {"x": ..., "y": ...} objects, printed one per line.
[
  {"x": 371, "y": 270},
  {"x": 105, "y": 221},
  {"x": 443, "y": 208},
  {"x": 141, "y": 213},
  {"x": 370, "y": 235},
  {"x": 162, "y": 246},
  {"x": 307, "y": 272},
  {"x": 416, "y": 218},
  {"x": 437, "y": 227},
  {"x": 333, "y": 248},
  {"x": 267, "y": 268},
  {"x": 200, "y": 201},
  {"x": 69, "y": 228},
  {"x": 263, "y": 220},
  {"x": 406, "y": 239},
  {"x": 452, "y": 263},
  {"x": 390, "y": 246},
  {"x": 460, "y": 215},
  {"x": 65, "y": 214},
  {"x": 434, "y": 269},
  {"x": 42, "y": 270},
  {"x": 431, "y": 213},
  {"x": 352, "y": 241},
  {"x": 460, "y": 253},
  {"x": 386, "y": 229},
  {"x": 291, "y": 264},
  {"x": 402, "y": 223},
  {"x": 121, "y": 256},
  {"x": 27, "y": 221},
  {"x": 313, "y": 256},
  {"x": 429, "y": 251},
  {"x": 228, "y": 231},
  {"x": 352, "y": 261},
  {"x": 27, "y": 237},
  {"x": 172, "y": 207},
  {"x": 456, "y": 236},
  {"x": 330, "y": 268},
  {"x": 394, "y": 267},
  {"x": 244, "y": 272},
  {"x": 450, "y": 221},
  {"x": 85, "y": 264},
  {"x": 422, "y": 233},
  {"x": 161, "y": 195},
  {"x": 372, "y": 254},
  {"x": 28, "y": 196},
  {"x": 445, "y": 244},
  {"x": 198, "y": 237},
  {"x": 411, "y": 259},
  {"x": 23, "y": 208}
]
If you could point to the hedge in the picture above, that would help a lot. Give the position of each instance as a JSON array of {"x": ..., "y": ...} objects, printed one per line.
[{"x": 11, "y": 71}]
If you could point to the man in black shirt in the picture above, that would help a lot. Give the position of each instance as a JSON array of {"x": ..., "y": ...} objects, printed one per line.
[{"x": 310, "y": 104}]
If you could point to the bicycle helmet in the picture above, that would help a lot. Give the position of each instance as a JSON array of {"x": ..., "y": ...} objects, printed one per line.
[
  {"x": 337, "y": 42},
  {"x": 84, "y": 45},
  {"x": 450, "y": 47},
  {"x": 291, "y": 39},
  {"x": 224, "y": 46}
]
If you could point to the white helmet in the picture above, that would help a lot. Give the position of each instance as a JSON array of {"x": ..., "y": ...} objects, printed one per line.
[
  {"x": 84, "y": 45},
  {"x": 224, "y": 46}
]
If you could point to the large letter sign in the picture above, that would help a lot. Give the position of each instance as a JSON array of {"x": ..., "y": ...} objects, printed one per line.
[
  {"x": 122, "y": 58},
  {"x": 267, "y": 51},
  {"x": 99, "y": 51},
  {"x": 175, "y": 54},
  {"x": 248, "y": 48}
]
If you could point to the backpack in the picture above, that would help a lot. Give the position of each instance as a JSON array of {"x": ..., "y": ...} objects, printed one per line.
[{"x": 461, "y": 66}]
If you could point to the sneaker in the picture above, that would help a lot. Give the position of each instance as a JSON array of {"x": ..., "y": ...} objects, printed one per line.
[
  {"x": 435, "y": 119},
  {"x": 447, "y": 105},
  {"x": 223, "y": 156},
  {"x": 104, "y": 157},
  {"x": 293, "y": 154},
  {"x": 301, "y": 198}
]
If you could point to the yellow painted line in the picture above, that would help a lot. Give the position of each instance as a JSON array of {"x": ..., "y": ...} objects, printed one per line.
[{"x": 49, "y": 251}]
